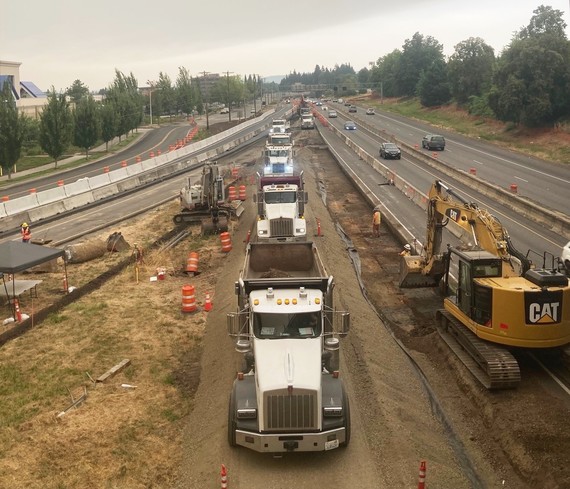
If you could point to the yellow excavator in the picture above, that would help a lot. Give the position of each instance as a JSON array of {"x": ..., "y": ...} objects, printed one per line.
[{"x": 496, "y": 299}]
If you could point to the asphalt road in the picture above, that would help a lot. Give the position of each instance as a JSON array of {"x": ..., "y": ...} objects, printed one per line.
[{"x": 541, "y": 181}]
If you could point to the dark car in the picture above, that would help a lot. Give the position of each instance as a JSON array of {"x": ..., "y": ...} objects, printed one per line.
[
  {"x": 390, "y": 150},
  {"x": 350, "y": 126},
  {"x": 352, "y": 108},
  {"x": 433, "y": 141}
]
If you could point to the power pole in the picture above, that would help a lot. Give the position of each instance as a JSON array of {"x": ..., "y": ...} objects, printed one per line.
[
  {"x": 204, "y": 73},
  {"x": 229, "y": 99}
]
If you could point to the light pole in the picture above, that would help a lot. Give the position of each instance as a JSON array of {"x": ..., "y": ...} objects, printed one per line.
[
  {"x": 229, "y": 98},
  {"x": 204, "y": 73},
  {"x": 150, "y": 99}
]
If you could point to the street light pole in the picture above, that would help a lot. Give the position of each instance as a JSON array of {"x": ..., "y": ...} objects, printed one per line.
[
  {"x": 204, "y": 73},
  {"x": 229, "y": 99},
  {"x": 150, "y": 99}
]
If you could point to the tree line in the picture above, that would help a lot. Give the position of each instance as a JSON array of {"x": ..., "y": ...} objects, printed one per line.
[
  {"x": 528, "y": 83},
  {"x": 74, "y": 117}
]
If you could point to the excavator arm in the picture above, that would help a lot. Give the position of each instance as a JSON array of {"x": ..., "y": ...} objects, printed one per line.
[{"x": 478, "y": 229}]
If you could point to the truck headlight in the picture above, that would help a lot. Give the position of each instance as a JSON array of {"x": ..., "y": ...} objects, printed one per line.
[
  {"x": 262, "y": 232},
  {"x": 332, "y": 412},
  {"x": 247, "y": 413},
  {"x": 300, "y": 230}
]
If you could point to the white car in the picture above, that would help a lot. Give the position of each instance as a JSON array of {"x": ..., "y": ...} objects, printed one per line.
[
  {"x": 225, "y": 110},
  {"x": 565, "y": 257}
]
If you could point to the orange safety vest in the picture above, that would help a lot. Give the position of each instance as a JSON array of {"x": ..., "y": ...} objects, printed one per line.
[
  {"x": 26, "y": 234},
  {"x": 376, "y": 218}
]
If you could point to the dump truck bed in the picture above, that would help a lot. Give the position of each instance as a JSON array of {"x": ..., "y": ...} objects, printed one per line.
[{"x": 271, "y": 260}]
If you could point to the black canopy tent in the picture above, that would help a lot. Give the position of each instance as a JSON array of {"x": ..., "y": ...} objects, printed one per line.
[{"x": 16, "y": 256}]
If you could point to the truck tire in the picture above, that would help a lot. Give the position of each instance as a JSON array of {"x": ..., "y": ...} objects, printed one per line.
[
  {"x": 346, "y": 420},
  {"x": 232, "y": 426}
]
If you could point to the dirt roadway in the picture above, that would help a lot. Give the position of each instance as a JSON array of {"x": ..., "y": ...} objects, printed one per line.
[
  {"x": 392, "y": 421},
  {"x": 167, "y": 434}
]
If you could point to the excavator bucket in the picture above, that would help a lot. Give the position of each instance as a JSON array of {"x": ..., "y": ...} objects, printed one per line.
[{"x": 411, "y": 275}]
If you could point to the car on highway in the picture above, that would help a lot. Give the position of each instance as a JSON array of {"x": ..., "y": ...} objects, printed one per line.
[
  {"x": 332, "y": 114},
  {"x": 565, "y": 257},
  {"x": 433, "y": 141},
  {"x": 352, "y": 108},
  {"x": 390, "y": 150},
  {"x": 347, "y": 104},
  {"x": 370, "y": 111},
  {"x": 225, "y": 110},
  {"x": 350, "y": 126}
]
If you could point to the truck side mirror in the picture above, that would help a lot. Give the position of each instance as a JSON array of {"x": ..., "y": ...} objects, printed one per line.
[
  {"x": 306, "y": 197},
  {"x": 255, "y": 198}
]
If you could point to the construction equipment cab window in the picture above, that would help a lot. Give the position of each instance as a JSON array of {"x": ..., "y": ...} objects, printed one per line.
[{"x": 278, "y": 326}]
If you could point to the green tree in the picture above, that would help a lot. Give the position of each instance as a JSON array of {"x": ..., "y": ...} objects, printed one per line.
[
  {"x": 417, "y": 55},
  {"x": 185, "y": 93},
  {"x": 108, "y": 122},
  {"x": 470, "y": 69},
  {"x": 433, "y": 87},
  {"x": 383, "y": 74},
  {"x": 77, "y": 91},
  {"x": 56, "y": 125},
  {"x": 167, "y": 94},
  {"x": 87, "y": 124},
  {"x": 12, "y": 130},
  {"x": 532, "y": 83},
  {"x": 124, "y": 96}
]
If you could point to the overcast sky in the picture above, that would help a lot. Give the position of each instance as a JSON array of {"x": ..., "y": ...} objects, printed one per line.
[{"x": 60, "y": 41}]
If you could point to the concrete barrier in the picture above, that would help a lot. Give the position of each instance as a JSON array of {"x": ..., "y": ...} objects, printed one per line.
[
  {"x": 21, "y": 204},
  {"x": 88, "y": 190},
  {"x": 51, "y": 195},
  {"x": 80, "y": 186}
]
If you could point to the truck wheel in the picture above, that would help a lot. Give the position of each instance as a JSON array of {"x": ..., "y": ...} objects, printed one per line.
[
  {"x": 346, "y": 420},
  {"x": 232, "y": 426}
]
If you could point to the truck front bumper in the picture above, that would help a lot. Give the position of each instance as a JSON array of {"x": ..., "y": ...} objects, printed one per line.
[{"x": 291, "y": 442}]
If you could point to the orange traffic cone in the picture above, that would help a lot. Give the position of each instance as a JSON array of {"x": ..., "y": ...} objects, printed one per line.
[
  {"x": 422, "y": 478},
  {"x": 208, "y": 304},
  {"x": 18, "y": 312},
  {"x": 224, "y": 477}
]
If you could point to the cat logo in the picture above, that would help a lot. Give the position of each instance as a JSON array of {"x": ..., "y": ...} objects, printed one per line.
[
  {"x": 453, "y": 214},
  {"x": 543, "y": 307}
]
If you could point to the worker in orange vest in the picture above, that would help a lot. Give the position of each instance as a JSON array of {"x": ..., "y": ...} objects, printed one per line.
[
  {"x": 376, "y": 219},
  {"x": 26, "y": 233}
]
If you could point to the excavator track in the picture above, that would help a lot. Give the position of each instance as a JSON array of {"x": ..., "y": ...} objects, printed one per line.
[{"x": 490, "y": 364}]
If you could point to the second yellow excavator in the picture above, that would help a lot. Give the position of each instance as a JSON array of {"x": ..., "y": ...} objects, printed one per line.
[{"x": 495, "y": 298}]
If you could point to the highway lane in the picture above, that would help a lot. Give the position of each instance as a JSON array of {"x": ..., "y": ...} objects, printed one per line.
[
  {"x": 157, "y": 139},
  {"x": 541, "y": 181},
  {"x": 526, "y": 234}
]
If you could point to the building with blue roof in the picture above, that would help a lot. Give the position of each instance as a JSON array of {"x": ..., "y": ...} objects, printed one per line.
[{"x": 29, "y": 99}]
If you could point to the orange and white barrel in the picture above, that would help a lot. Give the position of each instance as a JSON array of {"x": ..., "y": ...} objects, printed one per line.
[
  {"x": 242, "y": 193},
  {"x": 232, "y": 195},
  {"x": 192, "y": 263},
  {"x": 226, "y": 241},
  {"x": 188, "y": 298}
]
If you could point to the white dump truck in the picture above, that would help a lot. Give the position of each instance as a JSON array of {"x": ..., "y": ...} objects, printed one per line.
[
  {"x": 281, "y": 208},
  {"x": 279, "y": 126},
  {"x": 307, "y": 121},
  {"x": 288, "y": 395},
  {"x": 278, "y": 160}
]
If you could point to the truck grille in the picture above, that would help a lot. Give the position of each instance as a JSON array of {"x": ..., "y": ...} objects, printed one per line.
[
  {"x": 281, "y": 227},
  {"x": 291, "y": 412}
]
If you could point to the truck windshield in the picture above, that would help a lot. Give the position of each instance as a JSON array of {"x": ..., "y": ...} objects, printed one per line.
[
  {"x": 280, "y": 197},
  {"x": 299, "y": 325},
  {"x": 278, "y": 153}
]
